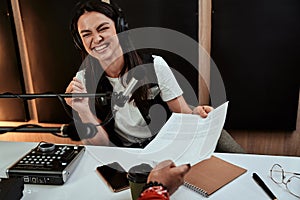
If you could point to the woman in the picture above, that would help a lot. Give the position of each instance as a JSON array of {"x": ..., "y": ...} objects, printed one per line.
[{"x": 95, "y": 26}]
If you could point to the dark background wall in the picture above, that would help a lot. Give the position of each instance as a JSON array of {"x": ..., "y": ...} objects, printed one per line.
[
  {"x": 255, "y": 45},
  {"x": 179, "y": 15}
]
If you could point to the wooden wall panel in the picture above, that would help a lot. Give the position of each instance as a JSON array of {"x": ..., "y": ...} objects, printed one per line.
[
  {"x": 53, "y": 59},
  {"x": 10, "y": 68}
]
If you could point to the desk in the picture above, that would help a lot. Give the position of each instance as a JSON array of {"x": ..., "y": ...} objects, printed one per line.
[{"x": 84, "y": 183}]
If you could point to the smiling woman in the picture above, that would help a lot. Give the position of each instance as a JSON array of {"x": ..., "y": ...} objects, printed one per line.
[{"x": 109, "y": 65}]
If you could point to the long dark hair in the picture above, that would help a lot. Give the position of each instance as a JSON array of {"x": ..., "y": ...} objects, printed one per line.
[{"x": 96, "y": 79}]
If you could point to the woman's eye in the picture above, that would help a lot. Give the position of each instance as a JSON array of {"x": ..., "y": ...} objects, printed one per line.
[
  {"x": 85, "y": 35},
  {"x": 103, "y": 29}
]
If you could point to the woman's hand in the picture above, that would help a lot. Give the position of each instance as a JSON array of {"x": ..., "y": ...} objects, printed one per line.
[
  {"x": 79, "y": 104},
  {"x": 169, "y": 175},
  {"x": 179, "y": 105},
  {"x": 202, "y": 110}
]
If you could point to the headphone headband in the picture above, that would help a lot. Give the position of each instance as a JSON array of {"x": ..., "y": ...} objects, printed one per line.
[{"x": 121, "y": 24}]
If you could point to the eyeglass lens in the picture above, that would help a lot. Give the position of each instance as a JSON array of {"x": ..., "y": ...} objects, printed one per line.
[
  {"x": 277, "y": 173},
  {"x": 292, "y": 184}
]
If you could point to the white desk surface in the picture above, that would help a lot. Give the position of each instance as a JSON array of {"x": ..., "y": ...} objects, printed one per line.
[{"x": 84, "y": 183}]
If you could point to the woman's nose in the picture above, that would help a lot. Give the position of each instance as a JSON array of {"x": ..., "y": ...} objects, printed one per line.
[{"x": 98, "y": 38}]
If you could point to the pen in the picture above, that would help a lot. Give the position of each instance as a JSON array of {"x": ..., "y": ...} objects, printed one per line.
[{"x": 263, "y": 186}]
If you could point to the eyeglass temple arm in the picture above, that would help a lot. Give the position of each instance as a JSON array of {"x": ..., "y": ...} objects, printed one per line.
[
  {"x": 298, "y": 174},
  {"x": 295, "y": 173}
]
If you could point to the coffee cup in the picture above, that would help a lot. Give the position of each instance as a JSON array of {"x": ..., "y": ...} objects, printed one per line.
[{"x": 137, "y": 177}]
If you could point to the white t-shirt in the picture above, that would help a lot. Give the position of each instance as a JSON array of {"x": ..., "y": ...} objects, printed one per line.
[{"x": 129, "y": 122}]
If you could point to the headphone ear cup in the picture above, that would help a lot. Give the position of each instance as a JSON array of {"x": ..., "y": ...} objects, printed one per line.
[{"x": 122, "y": 25}]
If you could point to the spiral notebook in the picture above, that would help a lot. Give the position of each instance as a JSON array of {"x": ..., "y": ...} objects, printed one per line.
[{"x": 208, "y": 176}]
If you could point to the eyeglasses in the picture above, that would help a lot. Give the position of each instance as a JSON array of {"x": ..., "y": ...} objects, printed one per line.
[{"x": 292, "y": 184}]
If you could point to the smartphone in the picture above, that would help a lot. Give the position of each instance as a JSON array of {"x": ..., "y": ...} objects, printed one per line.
[{"x": 114, "y": 175}]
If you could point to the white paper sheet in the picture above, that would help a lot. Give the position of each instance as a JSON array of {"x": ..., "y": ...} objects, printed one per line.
[{"x": 187, "y": 138}]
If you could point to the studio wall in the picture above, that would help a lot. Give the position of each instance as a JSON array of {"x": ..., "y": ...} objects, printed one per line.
[{"x": 255, "y": 45}]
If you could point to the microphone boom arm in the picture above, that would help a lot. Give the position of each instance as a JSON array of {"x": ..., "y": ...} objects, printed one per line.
[
  {"x": 52, "y": 95},
  {"x": 34, "y": 128}
]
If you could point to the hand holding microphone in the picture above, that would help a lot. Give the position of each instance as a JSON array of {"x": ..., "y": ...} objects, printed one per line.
[
  {"x": 79, "y": 104},
  {"x": 89, "y": 130}
]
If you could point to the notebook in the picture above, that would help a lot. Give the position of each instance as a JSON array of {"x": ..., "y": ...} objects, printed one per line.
[{"x": 210, "y": 175}]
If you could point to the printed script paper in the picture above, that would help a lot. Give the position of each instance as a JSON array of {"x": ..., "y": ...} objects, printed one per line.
[{"x": 187, "y": 138}]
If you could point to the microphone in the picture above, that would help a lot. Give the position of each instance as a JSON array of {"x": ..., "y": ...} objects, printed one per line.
[
  {"x": 74, "y": 132},
  {"x": 138, "y": 74},
  {"x": 79, "y": 131},
  {"x": 120, "y": 99},
  {"x": 133, "y": 81}
]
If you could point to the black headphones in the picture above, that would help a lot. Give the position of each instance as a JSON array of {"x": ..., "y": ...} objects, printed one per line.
[{"x": 120, "y": 25}]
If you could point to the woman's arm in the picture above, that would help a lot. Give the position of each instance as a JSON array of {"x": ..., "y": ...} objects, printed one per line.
[
  {"x": 179, "y": 105},
  {"x": 81, "y": 106},
  {"x": 171, "y": 91}
]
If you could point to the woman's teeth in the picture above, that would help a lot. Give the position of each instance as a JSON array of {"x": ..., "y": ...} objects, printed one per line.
[{"x": 99, "y": 48}]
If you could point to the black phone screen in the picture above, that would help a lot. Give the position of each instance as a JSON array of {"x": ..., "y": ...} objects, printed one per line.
[{"x": 114, "y": 175}]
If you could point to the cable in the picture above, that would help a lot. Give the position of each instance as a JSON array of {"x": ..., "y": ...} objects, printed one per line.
[{"x": 64, "y": 107}]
